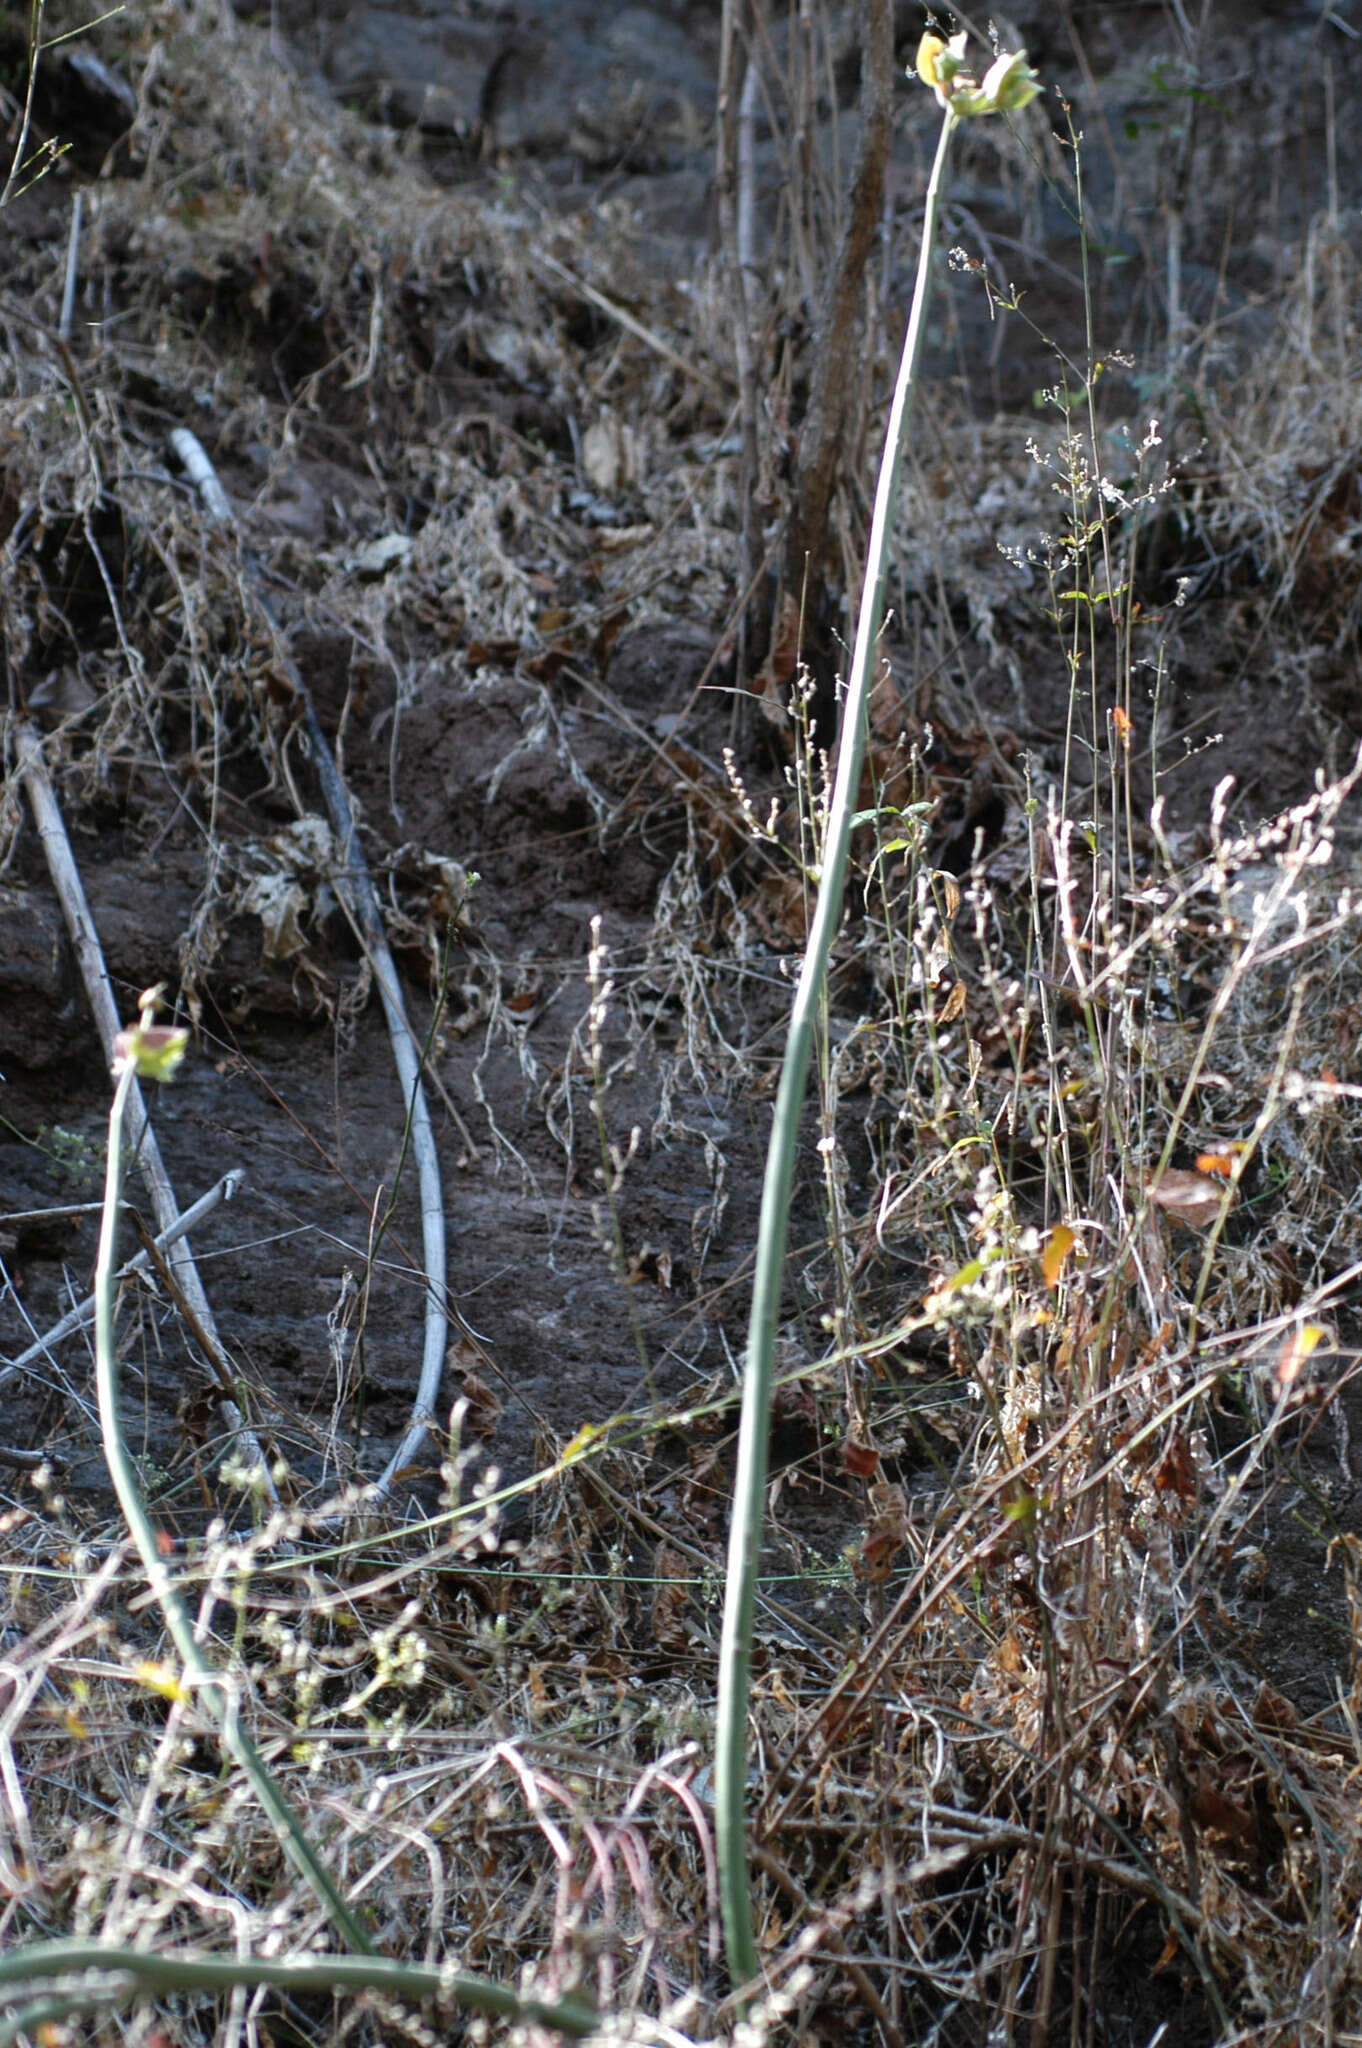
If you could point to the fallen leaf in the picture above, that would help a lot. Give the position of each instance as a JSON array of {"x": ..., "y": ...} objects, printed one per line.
[
  {"x": 1222, "y": 1818},
  {"x": 482, "y": 1406},
  {"x": 1058, "y": 1245},
  {"x": 1190, "y": 1198},
  {"x": 887, "y": 1532},
  {"x": 861, "y": 1460},
  {"x": 953, "y": 1005},
  {"x": 673, "y": 1575},
  {"x": 1176, "y": 1470},
  {"x": 648, "y": 1263}
]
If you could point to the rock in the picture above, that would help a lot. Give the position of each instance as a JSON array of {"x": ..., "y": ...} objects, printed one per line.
[
  {"x": 541, "y": 78},
  {"x": 36, "y": 982}
]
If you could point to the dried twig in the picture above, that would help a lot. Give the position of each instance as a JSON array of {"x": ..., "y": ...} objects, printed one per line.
[
  {"x": 83, "y": 1313},
  {"x": 356, "y": 891},
  {"x": 80, "y": 925},
  {"x": 734, "y": 62},
  {"x": 834, "y": 376}
]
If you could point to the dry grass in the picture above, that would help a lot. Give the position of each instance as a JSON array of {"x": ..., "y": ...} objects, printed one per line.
[{"x": 1069, "y": 1357}]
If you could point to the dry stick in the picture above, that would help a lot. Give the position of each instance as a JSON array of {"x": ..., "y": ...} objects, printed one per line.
[
  {"x": 80, "y": 925},
  {"x": 1175, "y": 205},
  {"x": 614, "y": 311},
  {"x": 21, "y": 140},
  {"x": 747, "y": 180},
  {"x": 28, "y": 1461},
  {"x": 14, "y": 311},
  {"x": 731, "y": 204},
  {"x": 834, "y": 378},
  {"x": 831, "y": 1937},
  {"x": 68, "y": 290},
  {"x": 84, "y": 1311},
  {"x": 357, "y": 893},
  {"x": 205, "y": 1339}
]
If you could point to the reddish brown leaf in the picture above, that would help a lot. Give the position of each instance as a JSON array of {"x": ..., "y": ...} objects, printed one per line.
[
  {"x": 1222, "y": 1818},
  {"x": 1176, "y": 1470},
  {"x": 498, "y": 652},
  {"x": 1171, "y": 1950},
  {"x": 671, "y": 1598},
  {"x": 484, "y": 1407},
  {"x": 648, "y": 1263},
  {"x": 861, "y": 1460}
]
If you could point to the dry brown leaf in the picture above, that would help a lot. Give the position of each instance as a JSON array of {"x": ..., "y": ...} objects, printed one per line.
[
  {"x": 1190, "y": 1198},
  {"x": 648, "y": 1263},
  {"x": 1176, "y": 1470},
  {"x": 953, "y": 1005},
  {"x": 860, "y": 1459},
  {"x": 887, "y": 1532},
  {"x": 671, "y": 1597}
]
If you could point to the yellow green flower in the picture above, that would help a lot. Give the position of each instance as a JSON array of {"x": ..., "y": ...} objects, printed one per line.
[{"x": 1009, "y": 83}]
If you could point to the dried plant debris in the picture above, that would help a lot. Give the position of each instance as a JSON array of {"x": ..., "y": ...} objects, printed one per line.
[{"x": 1055, "y": 1686}]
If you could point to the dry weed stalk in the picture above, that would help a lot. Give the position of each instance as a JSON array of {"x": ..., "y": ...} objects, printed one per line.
[{"x": 182, "y": 1274}]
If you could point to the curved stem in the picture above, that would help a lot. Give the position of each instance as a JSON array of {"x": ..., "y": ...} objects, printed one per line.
[
  {"x": 153, "y": 1970},
  {"x": 219, "y": 1699}
]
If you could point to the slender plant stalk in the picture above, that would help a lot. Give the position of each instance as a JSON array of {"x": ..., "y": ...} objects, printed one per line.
[
  {"x": 152, "y": 1970},
  {"x": 35, "y": 20},
  {"x": 85, "y": 943},
  {"x": 355, "y": 888},
  {"x": 152, "y": 1053},
  {"x": 82, "y": 1314},
  {"x": 217, "y": 1696},
  {"x": 744, "y": 1547}
]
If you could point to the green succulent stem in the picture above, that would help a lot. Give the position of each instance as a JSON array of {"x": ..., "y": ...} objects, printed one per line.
[
  {"x": 117, "y": 1973},
  {"x": 745, "y": 1532},
  {"x": 216, "y": 1694}
]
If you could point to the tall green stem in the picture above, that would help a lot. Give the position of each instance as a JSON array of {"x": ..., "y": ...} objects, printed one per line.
[{"x": 744, "y": 1546}]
